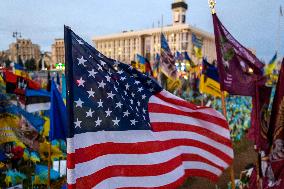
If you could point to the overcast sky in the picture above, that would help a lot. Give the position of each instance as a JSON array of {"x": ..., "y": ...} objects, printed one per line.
[{"x": 253, "y": 22}]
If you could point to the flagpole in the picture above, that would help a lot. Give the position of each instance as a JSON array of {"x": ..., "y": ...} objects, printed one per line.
[
  {"x": 232, "y": 172},
  {"x": 212, "y": 4},
  {"x": 49, "y": 165},
  {"x": 278, "y": 40}
]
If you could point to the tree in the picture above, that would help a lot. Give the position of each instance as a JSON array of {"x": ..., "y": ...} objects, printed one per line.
[
  {"x": 30, "y": 64},
  {"x": 7, "y": 63},
  {"x": 20, "y": 62}
]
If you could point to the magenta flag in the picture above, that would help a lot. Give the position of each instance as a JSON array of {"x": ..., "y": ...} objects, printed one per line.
[{"x": 239, "y": 69}]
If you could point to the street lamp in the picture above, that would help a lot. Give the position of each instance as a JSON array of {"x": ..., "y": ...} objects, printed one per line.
[{"x": 17, "y": 35}]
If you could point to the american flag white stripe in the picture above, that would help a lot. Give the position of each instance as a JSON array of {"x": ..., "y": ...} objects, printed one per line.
[{"x": 207, "y": 162}]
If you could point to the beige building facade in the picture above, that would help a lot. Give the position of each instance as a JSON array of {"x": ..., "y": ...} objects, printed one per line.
[
  {"x": 57, "y": 51},
  {"x": 24, "y": 49},
  {"x": 124, "y": 46}
]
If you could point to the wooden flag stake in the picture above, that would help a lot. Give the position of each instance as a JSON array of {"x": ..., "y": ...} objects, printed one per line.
[{"x": 232, "y": 173}]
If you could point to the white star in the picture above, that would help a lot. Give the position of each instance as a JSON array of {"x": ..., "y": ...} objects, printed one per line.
[
  {"x": 138, "y": 103},
  {"x": 77, "y": 123},
  {"x": 144, "y": 117},
  {"x": 120, "y": 72},
  {"x": 143, "y": 96},
  {"x": 123, "y": 78},
  {"x": 131, "y": 101},
  {"x": 100, "y": 103},
  {"x": 140, "y": 89},
  {"x": 115, "y": 88},
  {"x": 82, "y": 61},
  {"x": 109, "y": 72},
  {"x": 100, "y": 67},
  {"x": 149, "y": 82},
  {"x": 115, "y": 122},
  {"x": 126, "y": 113},
  {"x": 136, "y": 109},
  {"x": 108, "y": 78},
  {"x": 98, "y": 122},
  {"x": 127, "y": 86},
  {"x": 90, "y": 56},
  {"x": 81, "y": 82},
  {"x": 80, "y": 42},
  {"x": 132, "y": 94},
  {"x": 130, "y": 67},
  {"x": 91, "y": 93},
  {"x": 108, "y": 112},
  {"x": 110, "y": 95},
  {"x": 99, "y": 55},
  {"x": 144, "y": 111},
  {"x": 92, "y": 73},
  {"x": 103, "y": 63},
  {"x": 125, "y": 93},
  {"x": 137, "y": 82},
  {"x": 102, "y": 84},
  {"x": 133, "y": 122},
  {"x": 151, "y": 90},
  {"x": 135, "y": 75},
  {"x": 79, "y": 103},
  {"x": 118, "y": 105},
  {"x": 90, "y": 113}
]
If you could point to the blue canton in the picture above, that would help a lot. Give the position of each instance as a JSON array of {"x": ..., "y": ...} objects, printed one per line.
[{"x": 108, "y": 95}]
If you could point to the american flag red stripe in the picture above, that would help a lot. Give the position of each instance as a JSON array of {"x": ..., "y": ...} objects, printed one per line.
[{"x": 185, "y": 140}]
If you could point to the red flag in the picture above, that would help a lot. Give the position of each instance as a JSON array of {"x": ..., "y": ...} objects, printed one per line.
[
  {"x": 260, "y": 117},
  {"x": 238, "y": 68},
  {"x": 18, "y": 84},
  {"x": 276, "y": 131}
]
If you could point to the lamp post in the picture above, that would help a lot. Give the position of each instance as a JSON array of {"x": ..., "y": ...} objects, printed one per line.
[{"x": 17, "y": 35}]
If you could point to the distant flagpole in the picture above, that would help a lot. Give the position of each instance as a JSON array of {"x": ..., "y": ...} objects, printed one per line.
[
  {"x": 212, "y": 4},
  {"x": 278, "y": 37}
]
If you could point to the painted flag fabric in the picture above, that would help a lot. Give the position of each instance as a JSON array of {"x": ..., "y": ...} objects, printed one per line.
[
  {"x": 167, "y": 63},
  {"x": 238, "y": 68},
  {"x": 125, "y": 131}
]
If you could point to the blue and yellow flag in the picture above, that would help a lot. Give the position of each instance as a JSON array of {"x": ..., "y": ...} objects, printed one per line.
[
  {"x": 141, "y": 62},
  {"x": 209, "y": 80},
  {"x": 197, "y": 46},
  {"x": 19, "y": 71},
  {"x": 271, "y": 65}
]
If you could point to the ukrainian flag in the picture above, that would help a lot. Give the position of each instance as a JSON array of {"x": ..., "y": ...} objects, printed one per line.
[
  {"x": 209, "y": 80},
  {"x": 19, "y": 71},
  {"x": 271, "y": 65},
  {"x": 141, "y": 62}
]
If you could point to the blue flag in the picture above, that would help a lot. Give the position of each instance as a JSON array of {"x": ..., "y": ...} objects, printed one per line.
[{"x": 58, "y": 117}]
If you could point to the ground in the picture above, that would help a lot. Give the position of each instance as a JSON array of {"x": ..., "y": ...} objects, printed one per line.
[{"x": 244, "y": 154}]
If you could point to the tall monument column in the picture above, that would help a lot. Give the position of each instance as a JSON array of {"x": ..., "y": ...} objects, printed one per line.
[{"x": 179, "y": 8}]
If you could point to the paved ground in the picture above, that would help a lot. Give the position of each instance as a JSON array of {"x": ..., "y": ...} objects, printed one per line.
[{"x": 244, "y": 154}]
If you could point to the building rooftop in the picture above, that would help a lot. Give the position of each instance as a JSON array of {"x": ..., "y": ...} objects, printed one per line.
[{"x": 150, "y": 31}]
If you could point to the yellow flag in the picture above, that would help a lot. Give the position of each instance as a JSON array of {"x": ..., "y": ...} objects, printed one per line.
[
  {"x": 209, "y": 86},
  {"x": 8, "y": 128}
]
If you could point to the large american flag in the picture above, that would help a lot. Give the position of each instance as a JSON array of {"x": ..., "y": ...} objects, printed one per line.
[{"x": 125, "y": 131}]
